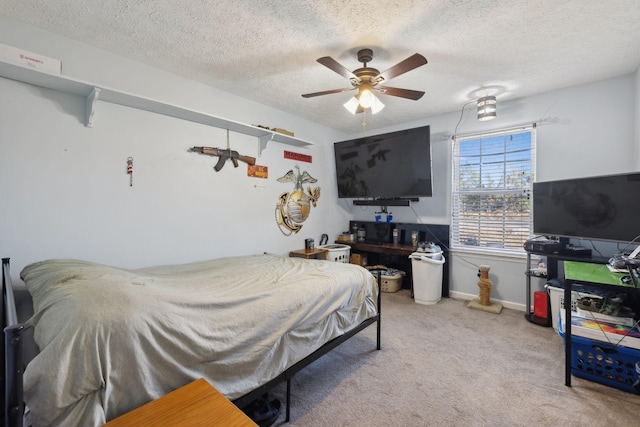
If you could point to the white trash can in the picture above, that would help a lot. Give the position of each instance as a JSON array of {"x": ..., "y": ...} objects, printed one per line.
[{"x": 426, "y": 276}]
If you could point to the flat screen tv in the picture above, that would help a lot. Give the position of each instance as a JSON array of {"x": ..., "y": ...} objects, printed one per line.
[
  {"x": 393, "y": 165},
  {"x": 599, "y": 208}
]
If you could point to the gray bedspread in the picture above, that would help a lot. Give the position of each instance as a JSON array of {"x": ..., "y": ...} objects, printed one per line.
[{"x": 112, "y": 339}]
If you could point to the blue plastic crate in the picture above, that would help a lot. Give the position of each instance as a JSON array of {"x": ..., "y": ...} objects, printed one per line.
[{"x": 604, "y": 363}]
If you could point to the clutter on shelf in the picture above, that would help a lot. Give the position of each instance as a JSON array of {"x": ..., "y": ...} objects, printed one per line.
[
  {"x": 605, "y": 339},
  {"x": 279, "y": 130}
]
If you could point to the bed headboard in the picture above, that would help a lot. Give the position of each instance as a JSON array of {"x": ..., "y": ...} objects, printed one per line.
[{"x": 12, "y": 354}]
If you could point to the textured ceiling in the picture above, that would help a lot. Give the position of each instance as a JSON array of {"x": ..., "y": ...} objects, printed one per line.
[{"x": 267, "y": 50}]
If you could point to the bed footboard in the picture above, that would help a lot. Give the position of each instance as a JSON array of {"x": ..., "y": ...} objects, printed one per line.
[{"x": 12, "y": 354}]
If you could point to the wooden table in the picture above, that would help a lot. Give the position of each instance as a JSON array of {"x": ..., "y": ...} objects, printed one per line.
[
  {"x": 309, "y": 253},
  {"x": 195, "y": 404},
  {"x": 382, "y": 248}
]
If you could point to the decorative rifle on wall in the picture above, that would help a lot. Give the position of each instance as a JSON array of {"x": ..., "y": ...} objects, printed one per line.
[{"x": 223, "y": 155}]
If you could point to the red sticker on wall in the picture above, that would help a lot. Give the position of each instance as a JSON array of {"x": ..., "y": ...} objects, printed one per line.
[{"x": 297, "y": 156}]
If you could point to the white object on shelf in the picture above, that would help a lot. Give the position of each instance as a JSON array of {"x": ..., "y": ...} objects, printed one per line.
[
  {"x": 94, "y": 93},
  {"x": 33, "y": 60}
]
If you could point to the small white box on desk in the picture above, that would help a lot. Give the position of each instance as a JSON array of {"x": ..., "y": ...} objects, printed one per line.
[{"x": 25, "y": 58}]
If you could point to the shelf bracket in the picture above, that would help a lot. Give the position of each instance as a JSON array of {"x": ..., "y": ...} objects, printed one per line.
[
  {"x": 92, "y": 99},
  {"x": 262, "y": 142}
]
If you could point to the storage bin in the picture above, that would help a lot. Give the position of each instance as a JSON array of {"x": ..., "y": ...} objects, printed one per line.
[
  {"x": 604, "y": 363},
  {"x": 390, "y": 279},
  {"x": 556, "y": 298},
  {"x": 337, "y": 252}
]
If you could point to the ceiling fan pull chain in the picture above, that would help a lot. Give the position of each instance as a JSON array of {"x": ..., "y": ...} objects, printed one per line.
[{"x": 364, "y": 123}]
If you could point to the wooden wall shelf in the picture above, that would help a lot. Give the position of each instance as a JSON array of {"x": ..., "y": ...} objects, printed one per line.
[{"x": 94, "y": 93}]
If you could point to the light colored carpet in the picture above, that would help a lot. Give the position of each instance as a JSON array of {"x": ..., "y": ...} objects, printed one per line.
[{"x": 448, "y": 365}]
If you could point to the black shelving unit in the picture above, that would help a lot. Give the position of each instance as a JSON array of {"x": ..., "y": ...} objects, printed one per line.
[
  {"x": 541, "y": 321},
  {"x": 527, "y": 312},
  {"x": 552, "y": 272}
]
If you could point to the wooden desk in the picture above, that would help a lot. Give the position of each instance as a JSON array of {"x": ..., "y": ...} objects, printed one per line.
[
  {"x": 195, "y": 404},
  {"x": 397, "y": 256},
  {"x": 309, "y": 253},
  {"x": 382, "y": 248}
]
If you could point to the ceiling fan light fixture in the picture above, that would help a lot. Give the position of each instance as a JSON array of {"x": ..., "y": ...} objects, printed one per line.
[
  {"x": 366, "y": 79},
  {"x": 377, "y": 106},
  {"x": 487, "y": 108},
  {"x": 366, "y": 98},
  {"x": 352, "y": 105}
]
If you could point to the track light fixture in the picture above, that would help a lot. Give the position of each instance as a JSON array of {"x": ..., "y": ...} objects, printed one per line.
[{"x": 487, "y": 108}]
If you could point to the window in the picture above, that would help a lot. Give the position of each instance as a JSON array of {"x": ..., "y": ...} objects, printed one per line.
[{"x": 493, "y": 175}]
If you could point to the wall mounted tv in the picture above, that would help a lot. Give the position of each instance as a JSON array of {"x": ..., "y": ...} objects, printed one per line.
[
  {"x": 395, "y": 165},
  {"x": 599, "y": 208}
]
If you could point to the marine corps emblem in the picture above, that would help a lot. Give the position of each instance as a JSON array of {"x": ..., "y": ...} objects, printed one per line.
[{"x": 293, "y": 208}]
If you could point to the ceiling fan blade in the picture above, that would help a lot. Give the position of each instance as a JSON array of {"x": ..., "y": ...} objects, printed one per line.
[
  {"x": 334, "y": 65},
  {"x": 326, "y": 92},
  {"x": 402, "y": 93},
  {"x": 414, "y": 61}
]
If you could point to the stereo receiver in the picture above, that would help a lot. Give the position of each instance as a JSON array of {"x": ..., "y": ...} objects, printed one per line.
[{"x": 543, "y": 246}]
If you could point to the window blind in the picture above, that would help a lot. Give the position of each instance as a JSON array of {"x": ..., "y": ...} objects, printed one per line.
[{"x": 493, "y": 175}]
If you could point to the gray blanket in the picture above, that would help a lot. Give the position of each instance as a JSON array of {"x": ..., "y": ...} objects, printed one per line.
[{"x": 112, "y": 339}]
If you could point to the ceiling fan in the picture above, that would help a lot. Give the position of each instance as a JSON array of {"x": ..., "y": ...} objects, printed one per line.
[{"x": 368, "y": 80}]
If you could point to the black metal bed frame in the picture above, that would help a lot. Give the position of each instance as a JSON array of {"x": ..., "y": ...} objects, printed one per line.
[
  {"x": 12, "y": 354},
  {"x": 289, "y": 373},
  {"x": 13, "y": 406}
]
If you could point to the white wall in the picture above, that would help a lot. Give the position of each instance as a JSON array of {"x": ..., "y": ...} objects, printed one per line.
[
  {"x": 65, "y": 192},
  {"x": 574, "y": 139}
]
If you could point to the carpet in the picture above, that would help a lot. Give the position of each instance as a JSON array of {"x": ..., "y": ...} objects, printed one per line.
[{"x": 446, "y": 365}]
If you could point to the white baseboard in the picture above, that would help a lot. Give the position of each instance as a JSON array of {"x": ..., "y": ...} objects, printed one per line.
[{"x": 505, "y": 304}]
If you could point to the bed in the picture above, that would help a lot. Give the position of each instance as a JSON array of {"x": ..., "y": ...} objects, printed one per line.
[{"x": 112, "y": 339}]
